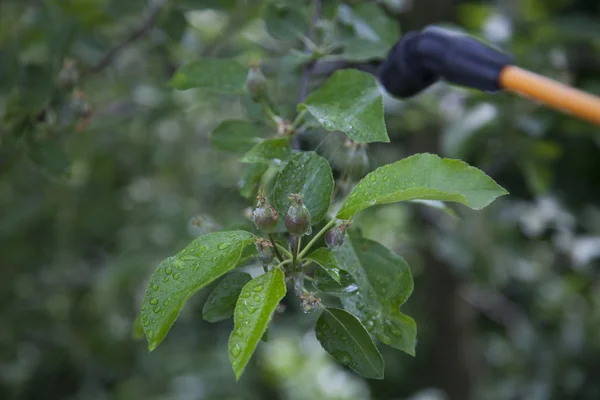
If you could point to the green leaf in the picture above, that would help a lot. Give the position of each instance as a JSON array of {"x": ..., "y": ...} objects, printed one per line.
[
  {"x": 253, "y": 311},
  {"x": 350, "y": 101},
  {"x": 327, "y": 261},
  {"x": 309, "y": 175},
  {"x": 276, "y": 150},
  {"x": 35, "y": 86},
  {"x": 343, "y": 336},
  {"x": 236, "y": 135},
  {"x": 384, "y": 284},
  {"x": 10, "y": 69},
  {"x": 250, "y": 178},
  {"x": 371, "y": 22},
  {"x": 212, "y": 74},
  {"x": 424, "y": 177},
  {"x": 285, "y": 22},
  {"x": 363, "y": 50},
  {"x": 221, "y": 301},
  {"x": 178, "y": 277},
  {"x": 326, "y": 284},
  {"x": 137, "y": 332}
]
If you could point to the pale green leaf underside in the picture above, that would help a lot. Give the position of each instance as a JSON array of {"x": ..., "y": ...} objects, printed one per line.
[
  {"x": 275, "y": 150},
  {"x": 216, "y": 75},
  {"x": 236, "y": 135},
  {"x": 384, "y": 284},
  {"x": 351, "y": 102},
  {"x": 309, "y": 175},
  {"x": 327, "y": 261},
  {"x": 253, "y": 311},
  {"x": 251, "y": 176},
  {"x": 220, "y": 304},
  {"x": 343, "y": 336},
  {"x": 178, "y": 277},
  {"x": 424, "y": 177}
]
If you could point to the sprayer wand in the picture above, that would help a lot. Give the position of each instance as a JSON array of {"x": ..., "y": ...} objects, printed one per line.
[{"x": 419, "y": 59}]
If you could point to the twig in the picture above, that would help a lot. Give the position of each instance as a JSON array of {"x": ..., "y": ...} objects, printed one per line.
[
  {"x": 277, "y": 253},
  {"x": 133, "y": 36}
]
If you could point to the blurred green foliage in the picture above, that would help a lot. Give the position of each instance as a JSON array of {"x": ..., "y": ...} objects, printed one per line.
[{"x": 105, "y": 171}]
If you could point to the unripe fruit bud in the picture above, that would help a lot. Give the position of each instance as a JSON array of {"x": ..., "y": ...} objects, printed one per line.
[
  {"x": 264, "y": 216},
  {"x": 297, "y": 218},
  {"x": 335, "y": 236},
  {"x": 309, "y": 302},
  {"x": 265, "y": 250},
  {"x": 256, "y": 83}
]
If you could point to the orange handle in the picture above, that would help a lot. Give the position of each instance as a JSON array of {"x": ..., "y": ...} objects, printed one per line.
[{"x": 552, "y": 93}]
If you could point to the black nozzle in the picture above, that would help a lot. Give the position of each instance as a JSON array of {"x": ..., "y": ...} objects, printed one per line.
[{"x": 421, "y": 58}]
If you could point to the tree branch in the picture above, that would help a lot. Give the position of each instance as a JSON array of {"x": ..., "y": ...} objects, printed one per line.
[{"x": 140, "y": 32}]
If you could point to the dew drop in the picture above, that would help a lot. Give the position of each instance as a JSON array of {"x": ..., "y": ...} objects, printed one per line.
[
  {"x": 212, "y": 302},
  {"x": 144, "y": 317},
  {"x": 372, "y": 177},
  {"x": 166, "y": 279},
  {"x": 257, "y": 298},
  {"x": 251, "y": 309},
  {"x": 246, "y": 295},
  {"x": 157, "y": 309},
  {"x": 385, "y": 178},
  {"x": 168, "y": 270},
  {"x": 370, "y": 325},
  {"x": 372, "y": 202},
  {"x": 342, "y": 356},
  {"x": 236, "y": 350},
  {"x": 353, "y": 364},
  {"x": 146, "y": 323},
  {"x": 176, "y": 275},
  {"x": 359, "y": 306},
  {"x": 258, "y": 288},
  {"x": 225, "y": 285},
  {"x": 154, "y": 287},
  {"x": 223, "y": 245},
  {"x": 150, "y": 334},
  {"x": 153, "y": 301}
]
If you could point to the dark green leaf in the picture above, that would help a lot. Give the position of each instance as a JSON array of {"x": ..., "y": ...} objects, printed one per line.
[
  {"x": 350, "y": 101},
  {"x": 285, "y": 22},
  {"x": 372, "y": 23},
  {"x": 50, "y": 157},
  {"x": 221, "y": 301},
  {"x": 424, "y": 177},
  {"x": 9, "y": 69},
  {"x": 253, "y": 311},
  {"x": 237, "y": 135},
  {"x": 384, "y": 284},
  {"x": 326, "y": 284},
  {"x": 276, "y": 150},
  {"x": 178, "y": 277},
  {"x": 327, "y": 261},
  {"x": 212, "y": 74},
  {"x": 363, "y": 50},
  {"x": 35, "y": 86},
  {"x": 250, "y": 178},
  {"x": 343, "y": 336},
  {"x": 309, "y": 175}
]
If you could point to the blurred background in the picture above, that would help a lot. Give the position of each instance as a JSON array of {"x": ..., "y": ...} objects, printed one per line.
[{"x": 105, "y": 171}]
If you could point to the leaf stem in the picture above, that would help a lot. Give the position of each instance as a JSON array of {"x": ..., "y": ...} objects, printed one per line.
[
  {"x": 298, "y": 120},
  {"x": 295, "y": 251},
  {"x": 281, "y": 264},
  {"x": 317, "y": 236},
  {"x": 284, "y": 250},
  {"x": 277, "y": 253}
]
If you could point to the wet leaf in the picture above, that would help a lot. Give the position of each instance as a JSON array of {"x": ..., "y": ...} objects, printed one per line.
[{"x": 220, "y": 304}]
